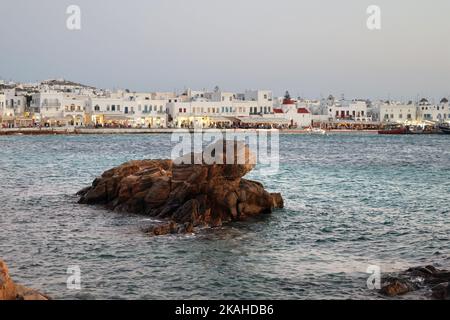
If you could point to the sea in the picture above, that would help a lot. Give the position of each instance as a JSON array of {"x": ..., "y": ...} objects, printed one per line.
[{"x": 354, "y": 203}]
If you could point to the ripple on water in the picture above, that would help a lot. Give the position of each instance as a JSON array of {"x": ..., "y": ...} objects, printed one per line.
[{"x": 351, "y": 201}]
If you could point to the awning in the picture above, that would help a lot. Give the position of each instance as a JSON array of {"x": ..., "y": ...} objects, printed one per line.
[
  {"x": 220, "y": 119},
  {"x": 56, "y": 119},
  {"x": 7, "y": 118},
  {"x": 24, "y": 119},
  {"x": 116, "y": 118},
  {"x": 262, "y": 120}
]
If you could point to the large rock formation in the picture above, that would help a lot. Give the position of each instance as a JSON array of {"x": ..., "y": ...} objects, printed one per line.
[
  {"x": 185, "y": 195},
  {"x": 12, "y": 291},
  {"x": 433, "y": 280}
]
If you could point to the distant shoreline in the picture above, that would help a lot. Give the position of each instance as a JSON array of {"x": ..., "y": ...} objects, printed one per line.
[{"x": 106, "y": 131}]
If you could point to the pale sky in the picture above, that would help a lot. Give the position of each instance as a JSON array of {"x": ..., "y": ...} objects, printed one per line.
[{"x": 310, "y": 48}]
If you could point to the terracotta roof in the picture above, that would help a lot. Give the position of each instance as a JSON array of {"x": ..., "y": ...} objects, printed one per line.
[
  {"x": 444, "y": 100},
  {"x": 277, "y": 111},
  {"x": 288, "y": 101},
  {"x": 302, "y": 110}
]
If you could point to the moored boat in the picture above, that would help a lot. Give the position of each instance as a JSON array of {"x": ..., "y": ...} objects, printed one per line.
[
  {"x": 444, "y": 128},
  {"x": 394, "y": 129},
  {"x": 318, "y": 131}
]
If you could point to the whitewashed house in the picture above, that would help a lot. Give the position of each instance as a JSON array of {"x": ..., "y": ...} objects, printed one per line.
[
  {"x": 211, "y": 109},
  {"x": 397, "y": 112},
  {"x": 106, "y": 111},
  {"x": 74, "y": 109},
  {"x": 355, "y": 110},
  {"x": 433, "y": 112},
  {"x": 13, "y": 104},
  {"x": 49, "y": 108}
]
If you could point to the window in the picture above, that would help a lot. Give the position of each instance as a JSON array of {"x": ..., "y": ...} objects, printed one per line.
[
  {"x": 96, "y": 108},
  {"x": 107, "y": 108},
  {"x": 409, "y": 116},
  {"x": 400, "y": 116},
  {"x": 184, "y": 110},
  {"x": 180, "y": 110},
  {"x": 118, "y": 108},
  {"x": 113, "y": 108}
]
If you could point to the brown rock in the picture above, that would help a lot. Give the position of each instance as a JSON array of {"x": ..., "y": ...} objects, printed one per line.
[
  {"x": 11, "y": 291},
  {"x": 396, "y": 288},
  {"x": 428, "y": 277},
  {"x": 193, "y": 194},
  {"x": 441, "y": 291}
]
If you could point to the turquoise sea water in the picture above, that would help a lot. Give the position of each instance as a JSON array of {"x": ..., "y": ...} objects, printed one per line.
[{"x": 352, "y": 200}]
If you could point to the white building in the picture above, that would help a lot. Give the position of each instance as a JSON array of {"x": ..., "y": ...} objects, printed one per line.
[
  {"x": 2, "y": 103},
  {"x": 397, "y": 112},
  {"x": 355, "y": 110},
  {"x": 74, "y": 109},
  {"x": 429, "y": 112},
  {"x": 297, "y": 116},
  {"x": 134, "y": 110},
  {"x": 13, "y": 104},
  {"x": 48, "y": 105},
  {"x": 201, "y": 114},
  {"x": 201, "y": 109}
]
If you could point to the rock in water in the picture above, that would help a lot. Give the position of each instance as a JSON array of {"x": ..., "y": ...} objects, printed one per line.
[
  {"x": 417, "y": 278},
  {"x": 186, "y": 195},
  {"x": 11, "y": 291}
]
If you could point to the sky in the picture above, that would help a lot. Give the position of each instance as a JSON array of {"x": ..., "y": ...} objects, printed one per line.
[{"x": 311, "y": 48}]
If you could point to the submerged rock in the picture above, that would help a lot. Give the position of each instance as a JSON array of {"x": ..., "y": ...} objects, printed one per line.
[
  {"x": 12, "y": 291},
  {"x": 417, "y": 278},
  {"x": 185, "y": 195}
]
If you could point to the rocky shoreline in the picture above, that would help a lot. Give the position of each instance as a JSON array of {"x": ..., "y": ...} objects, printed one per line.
[
  {"x": 185, "y": 196},
  {"x": 9, "y": 290},
  {"x": 434, "y": 282}
]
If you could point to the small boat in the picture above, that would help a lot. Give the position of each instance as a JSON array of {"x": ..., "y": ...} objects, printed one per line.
[
  {"x": 394, "y": 129},
  {"x": 416, "y": 129},
  {"x": 317, "y": 131},
  {"x": 444, "y": 128}
]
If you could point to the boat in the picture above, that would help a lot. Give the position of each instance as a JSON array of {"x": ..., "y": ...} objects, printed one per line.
[
  {"x": 416, "y": 129},
  {"x": 394, "y": 129},
  {"x": 444, "y": 128},
  {"x": 316, "y": 131}
]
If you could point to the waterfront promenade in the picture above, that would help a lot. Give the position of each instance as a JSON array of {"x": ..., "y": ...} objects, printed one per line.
[{"x": 62, "y": 130}]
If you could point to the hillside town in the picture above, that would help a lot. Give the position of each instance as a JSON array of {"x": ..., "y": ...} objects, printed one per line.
[{"x": 61, "y": 103}]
